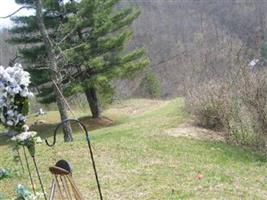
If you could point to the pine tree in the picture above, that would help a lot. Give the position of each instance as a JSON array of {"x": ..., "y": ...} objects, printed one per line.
[
  {"x": 98, "y": 48},
  {"x": 91, "y": 36},
  {"x": 32, "y": 31}
]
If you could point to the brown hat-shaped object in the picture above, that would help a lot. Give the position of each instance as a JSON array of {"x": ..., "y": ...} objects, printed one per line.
[{"x": 62, "y": 167}]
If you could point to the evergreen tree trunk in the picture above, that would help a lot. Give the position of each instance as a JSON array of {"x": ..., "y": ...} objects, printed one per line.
[
  {"x": 93, "y": 101},
  {"x": 56, "y": 75}
]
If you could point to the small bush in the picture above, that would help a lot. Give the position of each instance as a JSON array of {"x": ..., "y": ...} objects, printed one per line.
[
  {"x": 151, "y": 85},
  {"x": 207, "y": 104},
  {"x": 237, "y": 106}
]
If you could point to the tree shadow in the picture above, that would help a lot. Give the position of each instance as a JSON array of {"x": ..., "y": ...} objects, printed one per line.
[{"x": 46, "y": 130}]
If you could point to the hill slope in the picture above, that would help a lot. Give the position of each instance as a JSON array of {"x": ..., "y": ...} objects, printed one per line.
[{"x": 137, "y": 160}]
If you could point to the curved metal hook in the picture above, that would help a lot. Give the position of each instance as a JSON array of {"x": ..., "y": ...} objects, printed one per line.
[
  {"x": 89, "y": 147},
  {"x": 61, "y": 124}
]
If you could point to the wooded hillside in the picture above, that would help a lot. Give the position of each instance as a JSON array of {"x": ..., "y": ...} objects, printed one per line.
[{"x": 186, "y": 39}]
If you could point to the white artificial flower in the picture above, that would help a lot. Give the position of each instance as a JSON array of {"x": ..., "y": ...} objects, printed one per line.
[
  {"x": 10, "y": 113},
  {"x": 32, "y": 133},
  {"x": 25, "y": 127},
  {"x": 13, "y": 80},
  {"x": 24, "y": 92},
  {"x": 10, "y": 123},
  {"x": 39, "y": 140},
  {"x": 2, "y": 102},
  {"x": 14, "y": 138},
  {"x": 16, "y": 89},
  {"x": 30, "y": 94},
  {"x": 2, "y": 70},
  {"x": 21, "y": 117},
  {"x": 23, "y": 136}
]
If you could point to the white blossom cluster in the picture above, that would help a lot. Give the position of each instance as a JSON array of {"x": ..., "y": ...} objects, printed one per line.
[
  {"x": 4, "y": 173},
  {"x": 23, "y": 193},
  {"x": 24, "y": 136},
  {"x": 13, "y": 81}
]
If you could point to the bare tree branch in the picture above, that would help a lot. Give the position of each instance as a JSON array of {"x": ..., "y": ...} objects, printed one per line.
[
  {"x": 10, "y": 15},
  {"x": 75, "y": 47},
  {"x": 68, "y": 35}
]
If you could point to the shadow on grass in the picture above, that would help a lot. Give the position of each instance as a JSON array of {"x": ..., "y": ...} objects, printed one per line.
[{"x": 46, "y": 130}]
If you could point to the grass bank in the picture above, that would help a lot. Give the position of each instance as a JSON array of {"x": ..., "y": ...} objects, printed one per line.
[{"x": 137, "y": 160}]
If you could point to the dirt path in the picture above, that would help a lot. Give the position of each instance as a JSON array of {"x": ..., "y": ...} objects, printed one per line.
[{"x": 191, "y": 131}]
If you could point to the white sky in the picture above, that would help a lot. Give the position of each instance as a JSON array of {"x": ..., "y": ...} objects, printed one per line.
[{"x": 7, "y": 7}]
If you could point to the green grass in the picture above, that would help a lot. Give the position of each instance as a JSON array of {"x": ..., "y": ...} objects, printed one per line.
[{"x": 136, "y": 160}]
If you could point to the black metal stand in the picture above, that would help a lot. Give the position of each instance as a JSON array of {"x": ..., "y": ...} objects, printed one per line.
[
  {"x": 89, "y": 148},
  {"x": 29, "y": 170},
  {"x": 39, "y": 177},
  {"x": 20, "y": 160}
]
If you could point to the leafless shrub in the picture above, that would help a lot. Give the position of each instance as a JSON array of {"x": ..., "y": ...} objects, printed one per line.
[
  {"x": 207, "y": 103},
  {"x": 237, "y": 106}
]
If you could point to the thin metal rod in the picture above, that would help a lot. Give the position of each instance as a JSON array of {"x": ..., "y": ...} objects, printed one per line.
[
  {"x": 53, "y": 189},
  {"x": 29, "y": 170},
  {"x": 77, "y": 193},
  {"x": 94, "y": 166},
  {"x": 64, "y": 187},
  {"x": 89, "y": 147},
  {"x": 67, "y": 185},
  {"x": 20, "y": 160},
  {"x": 59, "y": 188},
  {"x": 39, "y": 177}
]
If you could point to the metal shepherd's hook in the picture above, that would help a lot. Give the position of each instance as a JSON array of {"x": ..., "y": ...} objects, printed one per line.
[{"x": 89, "y": 147}]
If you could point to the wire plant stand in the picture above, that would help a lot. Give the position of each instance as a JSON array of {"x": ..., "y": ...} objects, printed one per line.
[{"x": 91, "y": 159}]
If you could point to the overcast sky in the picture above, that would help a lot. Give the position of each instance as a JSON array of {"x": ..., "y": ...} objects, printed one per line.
[{"x": 7, "y": 7}]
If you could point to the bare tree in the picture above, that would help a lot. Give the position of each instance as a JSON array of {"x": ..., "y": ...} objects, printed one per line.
[{"x": 54, "y": 67}]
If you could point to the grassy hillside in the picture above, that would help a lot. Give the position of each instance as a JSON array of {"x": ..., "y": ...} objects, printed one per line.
[{"x": 137, "y": 160}]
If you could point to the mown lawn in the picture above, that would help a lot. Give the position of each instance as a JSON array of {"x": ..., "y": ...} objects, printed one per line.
[{"x": 137, "y": 160}]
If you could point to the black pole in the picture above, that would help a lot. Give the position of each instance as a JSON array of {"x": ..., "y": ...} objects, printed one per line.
[
  {"x": 29, "y": 170},
  {"x": 89, "y": 147},
  {"x": 20, "y": 160},
  {"x": 39, "y": 177},
  {"x": 94, "y": 166}
]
